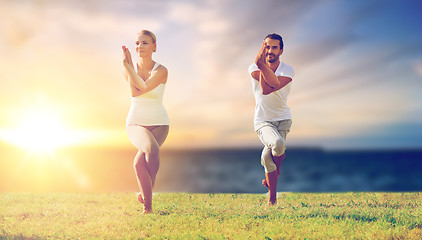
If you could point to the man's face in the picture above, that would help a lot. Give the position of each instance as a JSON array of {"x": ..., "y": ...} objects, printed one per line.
[{"x": 273, "y": 50}]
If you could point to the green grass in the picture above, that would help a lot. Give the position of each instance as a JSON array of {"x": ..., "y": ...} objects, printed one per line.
[{"x": 211, "y": 216}]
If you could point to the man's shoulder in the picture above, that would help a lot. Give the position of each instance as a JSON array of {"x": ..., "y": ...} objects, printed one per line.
[
  {"x": 285, "y": 70},
  {"x": 286, "y": 66},
  {"x": 252, "y": 68}
]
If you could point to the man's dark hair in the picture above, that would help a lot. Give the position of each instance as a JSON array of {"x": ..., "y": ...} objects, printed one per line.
[{"x": 275, "y": 36}]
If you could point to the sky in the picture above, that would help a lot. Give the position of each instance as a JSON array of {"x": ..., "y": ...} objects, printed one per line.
[{"x": 358, "y": 65}]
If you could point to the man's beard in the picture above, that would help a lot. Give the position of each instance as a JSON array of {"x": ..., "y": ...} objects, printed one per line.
[{"x": 275, "y": 58}]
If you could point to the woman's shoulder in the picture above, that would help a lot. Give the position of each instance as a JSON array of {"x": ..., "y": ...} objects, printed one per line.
[
  {"x": 161, "y": 71},
  {"x": 161, "y": 68}
]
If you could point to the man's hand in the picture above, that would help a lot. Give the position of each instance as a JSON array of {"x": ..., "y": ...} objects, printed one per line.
[{"x": 260, "y": 58}]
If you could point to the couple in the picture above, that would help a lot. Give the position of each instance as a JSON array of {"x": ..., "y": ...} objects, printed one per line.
[{"x": 147, "y": 123}]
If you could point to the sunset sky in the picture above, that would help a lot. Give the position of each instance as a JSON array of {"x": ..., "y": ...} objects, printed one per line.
[{"x": 358, "y": 66}]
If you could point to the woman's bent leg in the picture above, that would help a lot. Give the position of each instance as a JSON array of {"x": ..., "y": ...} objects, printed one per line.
[
  {"x": 144, "y": 141},
  {"x": 153, "y": 159},
  {"x": 146, "y": 163},
  {"x": 138, "y": 158},
  {"x": 144, "y": 181}
]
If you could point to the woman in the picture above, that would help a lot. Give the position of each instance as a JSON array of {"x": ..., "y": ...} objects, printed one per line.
[{"x": 147, "y": 123}]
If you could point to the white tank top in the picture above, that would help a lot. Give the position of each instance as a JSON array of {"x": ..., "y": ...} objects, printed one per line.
[{"x": 148, "y": 109}]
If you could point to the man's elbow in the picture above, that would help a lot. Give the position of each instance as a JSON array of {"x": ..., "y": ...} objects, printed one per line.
[
  {"x": 276, "y": 85},
  {"x": 266, "y": 92}
]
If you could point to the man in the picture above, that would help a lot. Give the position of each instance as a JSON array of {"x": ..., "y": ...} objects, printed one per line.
[{"x": 271, "y": 82}]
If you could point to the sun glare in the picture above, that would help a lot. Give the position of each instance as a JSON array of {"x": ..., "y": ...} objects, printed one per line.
[{"x": 39, "y": 130}]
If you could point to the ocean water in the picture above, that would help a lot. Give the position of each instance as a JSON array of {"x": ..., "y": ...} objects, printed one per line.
[
  {"x": 213, "y": 171},
  {"x": 303, "y": 170}
]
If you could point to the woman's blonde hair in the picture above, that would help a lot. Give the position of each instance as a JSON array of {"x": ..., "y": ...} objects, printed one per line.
[{"x": 148, "y": 33}]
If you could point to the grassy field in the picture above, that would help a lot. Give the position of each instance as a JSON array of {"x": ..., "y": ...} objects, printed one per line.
[{"x": 211, "y": 216}]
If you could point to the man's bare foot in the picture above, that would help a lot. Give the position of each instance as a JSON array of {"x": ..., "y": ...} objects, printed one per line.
[
  {"x": 140, "y": 198},
  {"x": 264, "y": 183},
  {"x": 272, "y": 202}
]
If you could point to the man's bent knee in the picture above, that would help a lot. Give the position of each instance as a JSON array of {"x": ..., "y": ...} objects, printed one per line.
[
  {"x": 267, "y": 161},
  {"x": 270, "y": 167},
  {"x": 279, "y": 147}
]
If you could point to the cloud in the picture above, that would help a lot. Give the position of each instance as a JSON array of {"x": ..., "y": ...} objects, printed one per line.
[
  {"x": 16, "y": 25},
  {"x": 417, "y": 66},
  {"x": 70, "y": 51}
]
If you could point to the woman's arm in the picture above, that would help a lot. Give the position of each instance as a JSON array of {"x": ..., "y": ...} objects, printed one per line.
[
  {"x": 128, "y": 59},
  {"x": 137, "y": 84},
  {"x": 158, "y": 76},
  {"x": 133, "y": 77}
]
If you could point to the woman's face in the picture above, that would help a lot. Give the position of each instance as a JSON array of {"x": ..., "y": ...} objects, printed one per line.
[{"x": 145, "y": 45}]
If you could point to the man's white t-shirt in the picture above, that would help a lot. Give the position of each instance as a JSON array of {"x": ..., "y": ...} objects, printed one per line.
[{"x": 272, "y": 107}]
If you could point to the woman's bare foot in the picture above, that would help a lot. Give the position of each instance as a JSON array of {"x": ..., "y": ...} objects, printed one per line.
[
  {"x": 147, "y": 211},
  {"x": 140, "y": 198}
]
